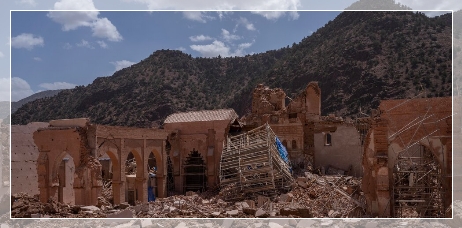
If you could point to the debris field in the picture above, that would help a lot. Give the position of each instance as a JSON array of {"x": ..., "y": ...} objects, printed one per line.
[{"x": 311, "y": 196}]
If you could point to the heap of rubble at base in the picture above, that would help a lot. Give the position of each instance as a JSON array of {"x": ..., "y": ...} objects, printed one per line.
[{"x": 312, "y": 196}]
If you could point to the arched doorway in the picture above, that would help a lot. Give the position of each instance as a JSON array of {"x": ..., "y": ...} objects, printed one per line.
[
  {"x": 152, "y": 177},
  {"x": 110, "y": 173},
  {"x": 417, "y": 184},
  {"x": 63, "y": 179},
  {"x": 130, "y": 175},
  {"x": 195, "y": 178}
]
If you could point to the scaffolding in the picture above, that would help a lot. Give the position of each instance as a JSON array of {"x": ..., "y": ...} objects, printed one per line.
[
  {"x": 417, "y": 180},
  {"x": 254, "y": 163},
  {"x": 417, "y": 188}
]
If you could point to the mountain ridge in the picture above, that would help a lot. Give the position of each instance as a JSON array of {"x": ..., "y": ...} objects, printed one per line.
[{"x": 358, "y": 59}]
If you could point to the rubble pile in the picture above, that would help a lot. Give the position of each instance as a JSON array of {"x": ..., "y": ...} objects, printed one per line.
[
  {"x": 106, "y": 192},
  {"x": 130, "y": 167},
  {"x": 311, "y": 196},
  {"x": 325, "y": 196}
]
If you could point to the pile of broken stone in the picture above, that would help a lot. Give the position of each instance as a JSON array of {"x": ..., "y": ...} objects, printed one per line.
[{"x": 312, "y": 196}]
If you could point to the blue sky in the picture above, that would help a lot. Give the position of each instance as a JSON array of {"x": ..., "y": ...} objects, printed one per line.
[
  {"x": 54, "y": 50},
  {"x": 98, "y": 29}
]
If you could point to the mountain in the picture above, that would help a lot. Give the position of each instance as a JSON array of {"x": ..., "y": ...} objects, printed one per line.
[
  {"x": 358, "y": 59},
  {"x": 48, "y": 93}
]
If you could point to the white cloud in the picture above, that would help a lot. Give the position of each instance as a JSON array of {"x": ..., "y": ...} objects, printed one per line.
[
  {"x": 57, "y": 85},
  {"x": 220, "y": 5},
  {"x": 228, "y": 36},
  {"x": 102, "y": 44},
  {"x": 220, "y": 14},
  {"x": 74, "y": 5},
  {"x": 1, "y": 54},
  {"x": 212, "y": 50},
  {"x": 181, "y": 49},
  {"x": 4, "y": 89},
  {"x": 200, "y": 38},
  {"x": 219, "y": 48},
  {"x": 274, "y": 15},
  {"x": 71, "y": 20},
  {"x": 27, "y": 41},
  {"x": 122, "y": 64},
  {"x": 103, "y": 28},
  {"x": 20, "y": 89},
  {"x": 246, "y": 23},
  {"x": 37, "y": 59},
  {"x": 240, "y": 49},
  {"x": 197, "y": 16},
  {"x": 85, "y": 44},
  {"x": 28, "y": 2},
  {"x": 67, "y": 46}
]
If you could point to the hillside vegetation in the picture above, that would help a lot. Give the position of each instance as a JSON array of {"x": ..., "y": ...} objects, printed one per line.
[{"x": 358, "y": 59}]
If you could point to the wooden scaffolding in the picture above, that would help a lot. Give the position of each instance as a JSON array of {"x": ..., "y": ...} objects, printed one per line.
[{"x": 254, "y": 163}]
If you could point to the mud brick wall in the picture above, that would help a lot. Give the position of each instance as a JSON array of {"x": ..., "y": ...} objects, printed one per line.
[{"x": 24, "y": 155}]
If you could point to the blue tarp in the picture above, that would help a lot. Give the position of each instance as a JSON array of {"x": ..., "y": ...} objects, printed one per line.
[
  {"x": 151, "y": 196},
  {"x": 282, "y": 151}
]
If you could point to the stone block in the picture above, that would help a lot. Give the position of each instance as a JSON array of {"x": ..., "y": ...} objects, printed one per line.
[
  {"x": 249, "y": 211},
  {"x": 124, "y": 205},
  {"x": 260, "y": 213},
  {"x": 232, "y": 212},
  {"x": 89, "y": 208},
  {"x": 122, "y": 214}
]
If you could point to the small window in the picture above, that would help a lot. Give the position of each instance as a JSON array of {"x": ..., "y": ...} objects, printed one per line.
[
  {"x": 292, "y": 115},
  {"x": 284, "y": 143},
  {"x": 294, "y": 144},
  {"x": 328, "y": 141}
]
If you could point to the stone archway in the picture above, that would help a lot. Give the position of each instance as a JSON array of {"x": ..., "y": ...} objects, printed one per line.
[
  {"x": 115, "y": 177},
  {"x": 133, "y": 172},
  {"x": 62, "y": 176}
]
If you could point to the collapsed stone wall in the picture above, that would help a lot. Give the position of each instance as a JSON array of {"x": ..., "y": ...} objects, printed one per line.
[{"x": 400, "y": 126}]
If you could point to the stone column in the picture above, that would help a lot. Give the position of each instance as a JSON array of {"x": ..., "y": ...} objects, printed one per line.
[
  {"x": 141, "y": 189},
  {"x": 43, "y": 176}
]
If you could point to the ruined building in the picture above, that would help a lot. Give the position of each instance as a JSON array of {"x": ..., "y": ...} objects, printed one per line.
[
  {"x": 325, "y": 142},
  {"x": 402, "y": 152},
  {"x": 67, "y": 167},
  {"x": 196, "y": 140},
  {"x": 68, "y": 160},
  {"x": 407, "y": 158}
]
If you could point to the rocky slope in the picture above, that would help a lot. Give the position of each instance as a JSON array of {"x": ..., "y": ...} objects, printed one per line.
[{"x": 358, "y": 59}]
